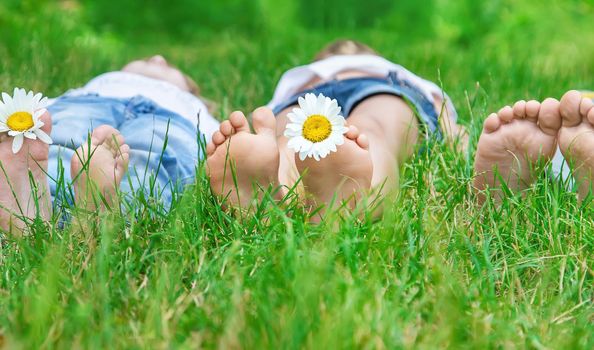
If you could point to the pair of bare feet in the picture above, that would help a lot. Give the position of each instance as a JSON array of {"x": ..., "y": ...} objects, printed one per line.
[
  {"x": 514, "y": 147},
  {"x": 97, "y": 166},
  {"x": 240, "y": 161},
  {"x": 518, "y": 142}
]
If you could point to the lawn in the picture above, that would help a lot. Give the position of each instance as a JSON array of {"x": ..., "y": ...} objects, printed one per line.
[{"x": 435, "y": 271}]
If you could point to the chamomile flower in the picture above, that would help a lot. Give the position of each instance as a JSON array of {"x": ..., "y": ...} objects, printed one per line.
[
  {"x": 316, "y": 127},
  {"x": 19, "y": 116}
]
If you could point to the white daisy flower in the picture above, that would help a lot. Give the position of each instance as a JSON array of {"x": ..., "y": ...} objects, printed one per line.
[
  {"x": 316, "y": 127},
  {"x": 19, "y": 116}
]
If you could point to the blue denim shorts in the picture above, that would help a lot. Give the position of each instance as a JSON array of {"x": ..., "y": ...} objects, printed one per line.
[
  {"x": 350, "y": 92},
  {"x": 163, "y": 145}
]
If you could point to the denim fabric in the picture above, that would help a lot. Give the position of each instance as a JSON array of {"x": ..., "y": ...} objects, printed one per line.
[
  {"x": 163, "y": 145},
  {"x": 350, "y": 92}
]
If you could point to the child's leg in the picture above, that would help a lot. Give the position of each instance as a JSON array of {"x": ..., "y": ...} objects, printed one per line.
[
  {"x": 22, "y": 196},
  {"x": 386, "y": 133}
]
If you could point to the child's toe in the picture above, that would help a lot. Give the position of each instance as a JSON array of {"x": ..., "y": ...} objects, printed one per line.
[
  {"x": 352, "y": 133},
  {"x": 210, "y": 149},
  {"x": 218, "y": 138},
  {"x": 506, "y": 114},
  {"x": 492, "y": 123},
  {"x": 239, "y": 121},
  {"x": 520, "y": 109},
  {"x": 363, "y": 141},
  {"x": 226, "y": 128}
]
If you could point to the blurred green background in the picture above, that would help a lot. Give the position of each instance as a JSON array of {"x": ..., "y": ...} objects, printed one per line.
[
  {"x": 435, "y": 272},
  {"x": 501, "y": 49}
]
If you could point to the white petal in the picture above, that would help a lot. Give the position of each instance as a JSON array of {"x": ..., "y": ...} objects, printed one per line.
[
  {"x": 29, "y": 98},
  {"x": 295, "y": 127},
  {"x": 316, "y": 156},
  {"x": 303, "y": 155},
  {"x": 323, "y": 152},
  {"x": 298, "y": 116},
  {"x": 330, "y": 145},
  {"x": 301, "y": 101},
  {"x": 338, "y": 120},
  {"x": 37, "y": 98},
  {"x": 304, "y": 104},
  {"x": 301, "y": 116},
  {"x": 337, "y": 138},
  {"x": 38, "y": 113},
  {"x": 328, "y": 106},
  {"x": 333, "y": 103},
  {"x": 14, "y": 133},
  {"x": 42, "y": 103},
  {"x": 9, "y": 109},
  {"x": 307, "y": 145},
  {"x": 334, "y": 111},
  {"x": 321, "y": 100},
  {"x": 291, "y": 133},
  {"x": 43, "y": 136},
  {"x": 310, "y": 104},
  {"x": 30, "y": 135},
  {"x": 295, "y": 143},
  {"x": 18, "y": 99},
  {"x": 6, "y": 98},
  {"x": 17, "y": 143},
  {"x": 38, "y": 125},
  {"x": 317, "y": 145},
  {"x": 295, "y": 116},
  {"x": 321, "y": 106}
]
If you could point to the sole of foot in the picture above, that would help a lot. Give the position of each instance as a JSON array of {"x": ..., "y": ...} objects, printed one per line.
[
  {"x": 576, "y": 138},
  {"x": 343, "y": 176},
  {"x": 240, "y": 162},
  {"x": 18, "y": 198},
  {"x": 515, "y": 145},
  {"x": 98, "y": 167}
]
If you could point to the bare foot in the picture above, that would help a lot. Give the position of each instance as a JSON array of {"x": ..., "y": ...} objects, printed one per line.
[
  {"x": 576, "y": 138},
  {"x": 515, "y": 145},
  {"x": 100, "y": 169},
  {"x": 344, "y": 175},
  {"x": 238, "y": 161},
  {"x": 18, "y": 199}
]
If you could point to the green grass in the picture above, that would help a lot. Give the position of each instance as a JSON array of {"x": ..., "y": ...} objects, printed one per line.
[{"x": 435, "y": 271}]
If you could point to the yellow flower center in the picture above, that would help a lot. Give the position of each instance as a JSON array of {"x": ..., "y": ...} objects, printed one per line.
[
  {"x": 316, "y": 128},
  {"x": 20, "y": 121}
]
